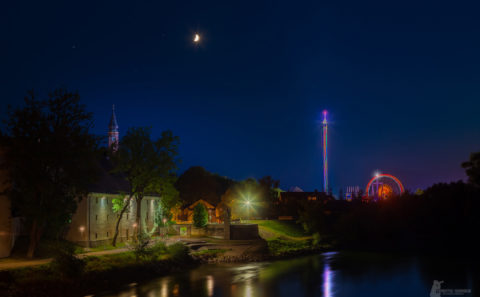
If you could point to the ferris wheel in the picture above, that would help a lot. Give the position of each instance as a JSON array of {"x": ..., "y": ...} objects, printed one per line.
[{"x": 383, "y": 186}]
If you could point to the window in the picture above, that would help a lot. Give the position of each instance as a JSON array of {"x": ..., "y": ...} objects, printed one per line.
[
  {"x": 127, "y": 216},
  {"x": 96, "y": 235},
  {"x": 107, "y": 217},
  {"x": 96, "y": 217},
  {"x": 107, "y": 234}
]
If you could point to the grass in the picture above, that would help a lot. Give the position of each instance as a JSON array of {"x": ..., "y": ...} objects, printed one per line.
[
  {"x": 210, "y": 252},
  {"x": 281, "y": 229},
  {"x": 108, "y": 247},
  {"x": 94, "y": 273},
  {"x": 282, "y": 247}
]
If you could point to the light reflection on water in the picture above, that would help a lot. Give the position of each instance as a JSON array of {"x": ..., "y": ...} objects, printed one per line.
[{"x": 326, "y": 275}]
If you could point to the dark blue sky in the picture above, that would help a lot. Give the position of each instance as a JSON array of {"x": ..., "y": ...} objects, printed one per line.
[{"x": 401, "y": 81}]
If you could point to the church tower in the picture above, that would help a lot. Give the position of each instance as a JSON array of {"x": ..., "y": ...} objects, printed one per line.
[{"x": 113, "y": 132}]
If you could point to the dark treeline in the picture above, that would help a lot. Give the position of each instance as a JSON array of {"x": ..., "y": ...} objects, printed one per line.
[
  {"x": 444, "y": 217},
  {"x": 198, "y": 183}
]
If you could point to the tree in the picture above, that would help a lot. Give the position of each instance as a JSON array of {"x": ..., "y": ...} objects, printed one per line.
[
  {"x": 51, "y": 160},
  {"x": 197, "y": 183},
  {"x": 269, "y": 192},
  {"x": 200, "y": 215},
  {"x": 242, "y": 199},
  {"x": 120, "y": 206},
  {"x": 165, "y": 207},
  {"x": 147, "y": 165},
  {"x": 472, "y": 168}
]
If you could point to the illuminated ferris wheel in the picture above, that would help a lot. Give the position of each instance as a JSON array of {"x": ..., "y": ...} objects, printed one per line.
[{"x": 383, "y": 186}]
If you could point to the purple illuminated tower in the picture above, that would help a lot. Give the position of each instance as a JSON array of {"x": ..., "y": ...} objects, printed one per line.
[{"x": 325, "y": 156}]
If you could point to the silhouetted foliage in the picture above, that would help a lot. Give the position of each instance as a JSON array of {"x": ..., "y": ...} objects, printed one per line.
[
  {"x": 472, "y": 169},
  {"x": 65, "y": 262},
  {"x": 443, "y": 217},
  {"x": 197, "y": 183},
  {"x": 51, "y": 160}
]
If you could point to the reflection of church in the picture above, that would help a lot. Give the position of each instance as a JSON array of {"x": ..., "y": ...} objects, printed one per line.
[{"x": 94, "y": 221}]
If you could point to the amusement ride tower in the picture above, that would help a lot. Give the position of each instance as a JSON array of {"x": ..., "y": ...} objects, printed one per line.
[{"x": 325, "y": 157}]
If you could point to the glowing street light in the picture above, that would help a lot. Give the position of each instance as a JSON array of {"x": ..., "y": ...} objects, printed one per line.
[
  {"x": 248, "y": 205},
  {"x": 81, "y": 229}
]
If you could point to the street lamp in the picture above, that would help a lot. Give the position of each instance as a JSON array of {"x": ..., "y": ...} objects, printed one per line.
[{"x": 81, "y": 229}]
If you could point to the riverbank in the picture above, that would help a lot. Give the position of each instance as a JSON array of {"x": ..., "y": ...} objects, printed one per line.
[
  {"x": 69, "y": 275},
  {"x": 99, "y": 273}
]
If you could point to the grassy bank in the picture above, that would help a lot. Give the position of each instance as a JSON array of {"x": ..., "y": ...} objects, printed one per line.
[
  {"x": 67, "y": 276},
  {"x": 272, "y": 229}
]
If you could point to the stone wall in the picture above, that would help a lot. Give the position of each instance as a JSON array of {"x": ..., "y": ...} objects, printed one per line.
[
  {"x": 237, "y": 231},
  {"x": 244, "y": 232}
]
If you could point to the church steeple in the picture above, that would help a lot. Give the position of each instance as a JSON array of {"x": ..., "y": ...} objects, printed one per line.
[{"x": 113, "y": 131}]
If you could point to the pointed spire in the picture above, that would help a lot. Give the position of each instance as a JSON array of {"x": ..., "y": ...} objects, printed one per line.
[{"x": 113, "y": 126}]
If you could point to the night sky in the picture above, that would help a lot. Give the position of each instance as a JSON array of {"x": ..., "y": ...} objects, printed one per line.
[{"x": 401, "y": 81}]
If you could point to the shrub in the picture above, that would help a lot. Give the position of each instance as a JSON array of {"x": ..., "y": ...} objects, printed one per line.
[
  {"x": 158, "y": 250},
  {"x": 140, "y": 248},
  {"x": 178, "y": 252},
  {"x": 316, "y": 238},
  {"x": 200, "y": 216},
  {"x": 65, "y": 262}
]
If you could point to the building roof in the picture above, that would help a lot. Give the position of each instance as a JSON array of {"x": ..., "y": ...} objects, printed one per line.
[
  {"x": 207, "y": 205},
  {"x": 107, "y": 182}
]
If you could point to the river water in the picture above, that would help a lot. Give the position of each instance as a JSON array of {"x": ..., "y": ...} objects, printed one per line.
[{"x": 330, "y": 274}]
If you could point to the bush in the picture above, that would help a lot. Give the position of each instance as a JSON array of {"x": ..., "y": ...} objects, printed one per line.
[
  {"x": 179, "y": 252},
  {"x": 140, "y": 248},
  {"x": 65, "y": 262},
  {"x": 158, "y": 250},
  {"x": 316, "y": 238},
  {"x": 281, "y": 247},
  {"x": 200, "y": 216}
]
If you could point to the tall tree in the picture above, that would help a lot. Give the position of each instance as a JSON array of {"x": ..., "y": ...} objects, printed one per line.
[
  {"x": 197, "y": 183},
  {"x": 269, "y": 192},
  {"x": 147, "y": 165},
  {"x": 472, "y": 168},
  {"x": 51, "y": 160}
]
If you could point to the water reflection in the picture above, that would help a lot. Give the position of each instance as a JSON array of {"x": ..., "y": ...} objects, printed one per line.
[
  {"x": 210, "y": 285},
  {"x": 327, "y": 275}
]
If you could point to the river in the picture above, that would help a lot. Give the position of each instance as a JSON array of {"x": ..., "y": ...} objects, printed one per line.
[{"x": 329, "y": 274}]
